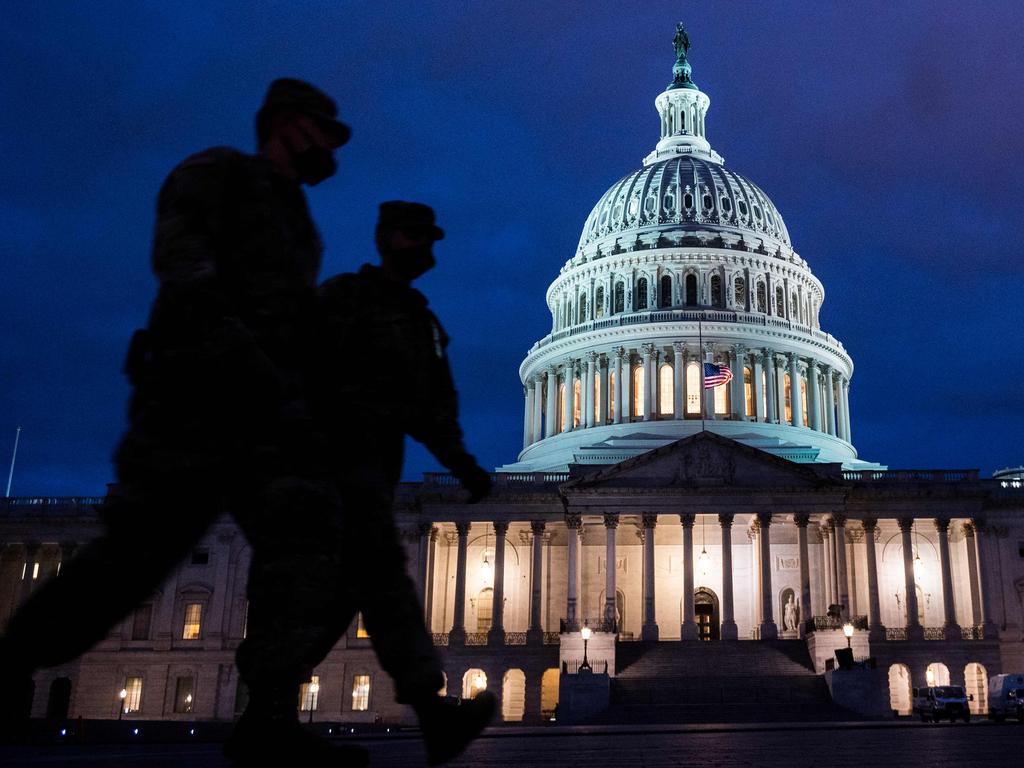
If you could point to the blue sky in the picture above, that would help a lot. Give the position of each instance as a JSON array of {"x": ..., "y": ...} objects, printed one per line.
[{"x": 888, "y": 137}]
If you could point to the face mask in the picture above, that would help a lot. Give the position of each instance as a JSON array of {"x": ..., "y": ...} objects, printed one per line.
[
  {"x": 414, "y": 261},
  {"x": 314, "y": 164}
]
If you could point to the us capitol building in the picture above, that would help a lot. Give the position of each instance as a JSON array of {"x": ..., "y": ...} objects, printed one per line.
[{"x": 713, "y": 540}]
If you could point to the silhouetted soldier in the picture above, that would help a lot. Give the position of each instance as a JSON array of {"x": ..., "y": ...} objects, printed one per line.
[
  {"x": 369, "y": 409},
  {"x": 217, "y": 423}
]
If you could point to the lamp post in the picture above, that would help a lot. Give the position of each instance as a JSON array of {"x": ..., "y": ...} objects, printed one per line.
[
  {"x": 314, "y": 689},
  {"x": 585, "y": 634},
  {"x": 122, "y": 695},
  {"x": 848, "y": 631}
]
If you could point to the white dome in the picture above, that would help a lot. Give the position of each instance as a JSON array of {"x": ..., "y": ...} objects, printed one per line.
[{"x": 680, "y": 195}]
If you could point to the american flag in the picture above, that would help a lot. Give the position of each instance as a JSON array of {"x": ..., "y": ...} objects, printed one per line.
[{"x": 715, "y": 374}]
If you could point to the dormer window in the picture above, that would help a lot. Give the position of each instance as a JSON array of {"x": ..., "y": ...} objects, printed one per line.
[
  {"x": 709, "y": 202},
  {"x": 687, "y": 201},
  {"x": 670, "y": 203}
]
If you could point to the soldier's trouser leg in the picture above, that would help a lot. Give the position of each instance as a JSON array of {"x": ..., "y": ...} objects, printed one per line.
[
  {"x": 294, "y": 531},
  {"x": 150, "y": 527}
]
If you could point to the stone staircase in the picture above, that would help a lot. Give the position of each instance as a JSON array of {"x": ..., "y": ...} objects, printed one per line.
[{"x": 718, "y": 682}]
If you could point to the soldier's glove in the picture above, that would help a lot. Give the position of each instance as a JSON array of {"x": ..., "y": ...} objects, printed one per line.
[{"x": 474, "y": 479}]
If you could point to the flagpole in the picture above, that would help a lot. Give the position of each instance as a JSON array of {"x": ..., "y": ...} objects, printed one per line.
[
  {"x": 10, "y": 475},
  {"x": 700, "y": 356}
]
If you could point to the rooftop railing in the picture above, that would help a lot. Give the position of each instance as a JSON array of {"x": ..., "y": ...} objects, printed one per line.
[
  {"x": 499, "y": 479},
  {"x": 911, "y": 475}
]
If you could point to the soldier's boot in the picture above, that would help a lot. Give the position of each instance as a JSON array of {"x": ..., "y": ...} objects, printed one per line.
[
  {"x": 449, "y": 727},
  {"x": 262, "y": 738}
]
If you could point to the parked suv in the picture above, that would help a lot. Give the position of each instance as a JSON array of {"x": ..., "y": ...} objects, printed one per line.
[{"x": 937, "y": 702}]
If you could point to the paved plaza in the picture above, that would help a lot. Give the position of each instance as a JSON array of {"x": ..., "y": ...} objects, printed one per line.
[{"x": 833, "y": 746}]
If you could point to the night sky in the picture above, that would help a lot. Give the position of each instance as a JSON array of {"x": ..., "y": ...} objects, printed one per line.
[{"x": 892, "y": 142}]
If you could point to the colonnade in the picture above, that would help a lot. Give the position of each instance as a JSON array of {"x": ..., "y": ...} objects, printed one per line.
[
  {"x": 833, "y": 575},
  {"x": 757, "y": 392}
]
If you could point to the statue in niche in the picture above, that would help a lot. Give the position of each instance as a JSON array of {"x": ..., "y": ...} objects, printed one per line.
[{"x": 791, "y": 614}]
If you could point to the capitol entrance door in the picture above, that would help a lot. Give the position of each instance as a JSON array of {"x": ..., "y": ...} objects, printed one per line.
[{"x": 706, "y": 614}]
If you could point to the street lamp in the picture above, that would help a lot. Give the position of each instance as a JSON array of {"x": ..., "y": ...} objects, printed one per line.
[
  {"x": 314, "y": 689},
  {"x": 585, "y": 634},
  {"x": 122, "y": 695},
  {"x": 848, "y": 631}
]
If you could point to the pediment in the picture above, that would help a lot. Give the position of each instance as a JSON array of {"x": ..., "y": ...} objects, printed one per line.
[{"x": 707, "y": 460}]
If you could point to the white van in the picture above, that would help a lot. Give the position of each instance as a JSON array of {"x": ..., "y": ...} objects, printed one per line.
[
  {"x": 1006, "y": 697},
  {"x": 939, "y": 701}
]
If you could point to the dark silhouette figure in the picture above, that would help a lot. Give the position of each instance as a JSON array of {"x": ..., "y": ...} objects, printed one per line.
[
  {"x": 218, "y": 423},
  {"x": 368, "y": 410}
]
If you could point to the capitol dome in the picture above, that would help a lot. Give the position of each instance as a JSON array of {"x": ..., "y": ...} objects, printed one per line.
[
  {"x": 684, "y": 273},
  {"x": 682, "y": 195}
]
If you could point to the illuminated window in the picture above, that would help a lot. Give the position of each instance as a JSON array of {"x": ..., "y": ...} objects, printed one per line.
[
  {"x": 561, "y": 406},
  {"x": 665, "y": 390},
  {"x": 484, "y": 609},
  {"x": 722, "y": 399},
  {"x": 473, "y": 682},
  {"x": 193, "y": 621},
  {"x": 133, "y": 694},
  {"x": 641, "y": 293},
  {"x": 309, "y": 694},
  {"x": 599, "y": 302},
  {"x": 803, "y": 400},
  {"x": 764, "y": 393},
  {"x": 638, "y": 391},
  {"x": 611, "y": 393},
  {"x": 780, "y": 302},
  {"x": 361, "y": 627},
  {"x": 575, "y": 402},
  {"x": 596, "y": 400},
  {"x": 184, "y": 693},
  {"x": 691, "y": 290},
  {"x": 748, "y": 391},
  {"x": 693, "y": 387},
  {"x": 665, "y": 292},
  {"x": 787, "y": 397},
  {"x": 762, "y": 298},
  {"x": 360, "y": 693},
  {"x": 716, "y": 291},
  {"x": 620, "y": 298}
]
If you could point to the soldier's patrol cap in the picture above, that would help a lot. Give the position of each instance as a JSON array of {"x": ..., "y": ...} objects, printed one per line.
[
  {"x": 414, "y": 218},
  {"x": 287, "y": 94}
]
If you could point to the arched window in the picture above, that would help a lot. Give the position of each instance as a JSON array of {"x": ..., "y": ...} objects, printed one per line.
[
  {"x": 748, "y": 391},
  {"x": 641, "y": 293},
  {"x": 716, "y": 291},
  {"x": 787, "y": 389},
  {"x": 513, "y": 696},
  {"x": 682, "y": 121},
  {"x": 473, "y": 682},
  {"x": 722, "y": 400},
  {"x": 762, "y": 298},
  {"x": 568, "y": 313},
  {"x": 611, "y": 395},
  {"x": 620, "y": 298},
  {"x": 691, "y": 290},
  {"x": 665, "y": 390},
  {"x": 665, "y": 292},
  {"x": 599, "y": 302},
  {"x": 583, "y": 309},
  {"x": 976, "y": 680},
  {"x": 937, "y": 673},
  {"x": 549, "y": 692},
  {"x": 780, "y": 302},
  {"x": 739, "y": 288},
  {"x": 803, "y": 401},
  {"x": 576, "y": 389},
  {"x": 693, "y": 388},
  {"x": 794, "y": 308},
  {"x": 899, "y": 689},
  {"x": 638, "y": 391}
]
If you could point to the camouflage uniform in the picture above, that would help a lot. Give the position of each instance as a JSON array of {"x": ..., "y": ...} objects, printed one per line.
[
  {"x": 216, "y": 424},
  {"x": 368, "y": 411}
]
